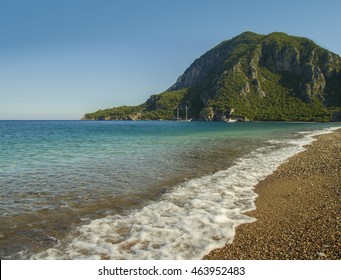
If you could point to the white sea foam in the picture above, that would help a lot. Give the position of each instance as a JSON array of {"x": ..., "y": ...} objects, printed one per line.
[{"x": 188, "y": 222}]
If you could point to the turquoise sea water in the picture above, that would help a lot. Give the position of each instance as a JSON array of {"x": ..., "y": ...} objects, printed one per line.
[{"x": 72, "y": 189}]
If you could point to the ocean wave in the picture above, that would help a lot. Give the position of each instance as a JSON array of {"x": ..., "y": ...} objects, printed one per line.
[{"x": 186, "y": 223}]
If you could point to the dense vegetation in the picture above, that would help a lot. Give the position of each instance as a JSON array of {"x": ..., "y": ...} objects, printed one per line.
[{"x": 250, "y": 77}]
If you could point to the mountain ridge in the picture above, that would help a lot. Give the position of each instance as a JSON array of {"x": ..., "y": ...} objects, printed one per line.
[{"x": 249, "y": 77}]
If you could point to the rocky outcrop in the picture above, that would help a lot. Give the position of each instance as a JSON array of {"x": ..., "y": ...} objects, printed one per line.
[
  {"x": 134, "y": 117},
  {"x": 313, "y": 83},
  {"x": 245, "y": 89},
  {"x": 201, "y": 68},
  {"x": 207, "y": 114},
  {"x": 287, "y": 59},
  {"x": 312, "y": 74},
  {"x": 212, "y": 62}
]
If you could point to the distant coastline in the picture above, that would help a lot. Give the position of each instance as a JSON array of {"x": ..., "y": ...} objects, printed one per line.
[{"x": 274, "y": 77}]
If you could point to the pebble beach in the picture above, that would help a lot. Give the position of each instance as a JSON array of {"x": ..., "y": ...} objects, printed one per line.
[{"x": 298, "y": 209}]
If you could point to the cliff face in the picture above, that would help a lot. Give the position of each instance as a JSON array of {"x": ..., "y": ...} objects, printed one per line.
[
  {"x": 260, "y": 77},
  {"x": 212, "y": 61},
  {"x": 202, "y": 67},
  {"x": 311, "y": 64}
]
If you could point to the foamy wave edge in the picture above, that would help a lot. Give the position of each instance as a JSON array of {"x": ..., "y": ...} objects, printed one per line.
[{"x": 187, "y": 223}]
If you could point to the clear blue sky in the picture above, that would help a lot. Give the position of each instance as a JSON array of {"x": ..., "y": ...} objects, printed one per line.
[{"x": 62, "y": 58}]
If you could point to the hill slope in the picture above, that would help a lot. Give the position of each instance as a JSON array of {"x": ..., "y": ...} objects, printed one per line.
[{"x": 250, "y": 77}]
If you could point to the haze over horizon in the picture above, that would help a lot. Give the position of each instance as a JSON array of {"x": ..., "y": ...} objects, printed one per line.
[{"x": 63, "y": 59}]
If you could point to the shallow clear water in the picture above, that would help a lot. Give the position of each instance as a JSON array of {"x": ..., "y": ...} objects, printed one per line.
[{"x": 60, "y": 179}]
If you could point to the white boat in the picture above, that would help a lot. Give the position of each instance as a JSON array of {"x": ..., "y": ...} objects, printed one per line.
[{"x": 231, "y": 120}]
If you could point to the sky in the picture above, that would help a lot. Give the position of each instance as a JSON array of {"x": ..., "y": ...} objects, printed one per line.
[{"x": 62, "y": 59}]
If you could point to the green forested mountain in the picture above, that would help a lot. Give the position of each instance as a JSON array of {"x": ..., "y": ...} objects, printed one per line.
[{"x": 249, "y": 77}]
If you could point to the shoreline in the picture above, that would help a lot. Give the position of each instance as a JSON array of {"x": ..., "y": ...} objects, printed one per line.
[
  {"x": 297, "y": 209},
  {"x": 201, "y": 202}
]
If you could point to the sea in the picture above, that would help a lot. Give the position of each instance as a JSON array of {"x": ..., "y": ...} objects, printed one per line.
[{"x": 134, "y": 189}]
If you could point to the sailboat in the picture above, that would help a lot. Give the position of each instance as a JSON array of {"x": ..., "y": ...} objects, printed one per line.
[{"x": 178, "y": 119}]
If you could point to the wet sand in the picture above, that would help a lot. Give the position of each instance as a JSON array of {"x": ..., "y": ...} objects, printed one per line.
[{"x": 298, "y": 209}]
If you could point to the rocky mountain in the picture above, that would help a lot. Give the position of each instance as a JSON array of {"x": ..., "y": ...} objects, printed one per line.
[{"x": 250, "y": 77}]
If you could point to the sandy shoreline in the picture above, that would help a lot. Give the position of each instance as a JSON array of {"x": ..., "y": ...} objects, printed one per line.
[{"x": 298, "y": 209}]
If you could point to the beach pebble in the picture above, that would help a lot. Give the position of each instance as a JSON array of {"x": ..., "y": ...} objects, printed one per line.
[{"x": 321, "y": 255}]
